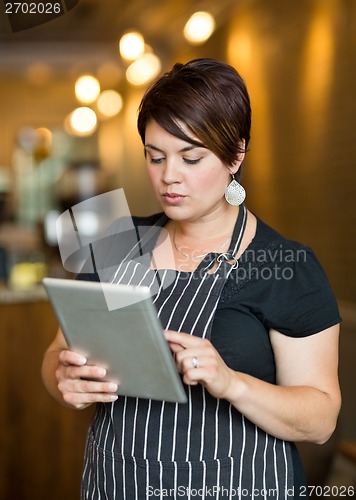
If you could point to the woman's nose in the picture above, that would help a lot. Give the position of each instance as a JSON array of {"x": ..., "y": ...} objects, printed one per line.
[{"x": 171, "y": 172}]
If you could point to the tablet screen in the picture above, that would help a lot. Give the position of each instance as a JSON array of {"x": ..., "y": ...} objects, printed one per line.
[{"x": 128, "y": 340}]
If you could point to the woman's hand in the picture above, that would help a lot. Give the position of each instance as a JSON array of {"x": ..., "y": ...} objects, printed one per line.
[
  {"x": 82, "y": 384},
  {"x": 199, "y": 362}
]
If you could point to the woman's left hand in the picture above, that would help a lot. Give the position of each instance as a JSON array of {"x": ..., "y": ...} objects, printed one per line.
[{"x": 199, "y": 362}]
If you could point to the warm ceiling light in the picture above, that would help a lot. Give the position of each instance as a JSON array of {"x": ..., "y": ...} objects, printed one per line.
[
  {"x": 199, "y": 27},
  {"x": 131, "y": 46},
  {"x": 143, "y": 70},
  {"x": 87, "y": 89},
  {"x": 82, "y": 121},
  {"x": 109, "y": 103}
]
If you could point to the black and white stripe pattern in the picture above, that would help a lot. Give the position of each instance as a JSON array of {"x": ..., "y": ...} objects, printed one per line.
[{"x": 138, "y": 448}]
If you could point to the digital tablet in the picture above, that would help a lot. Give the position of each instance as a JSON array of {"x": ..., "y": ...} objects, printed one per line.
[{"x": 127, "y": 340}]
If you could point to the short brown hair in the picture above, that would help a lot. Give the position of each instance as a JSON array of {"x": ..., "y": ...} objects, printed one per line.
[{"x": 210, "y": 98}]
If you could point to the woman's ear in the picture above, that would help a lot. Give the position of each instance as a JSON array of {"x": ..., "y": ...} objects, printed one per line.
[{"x": 240, "y": 158}]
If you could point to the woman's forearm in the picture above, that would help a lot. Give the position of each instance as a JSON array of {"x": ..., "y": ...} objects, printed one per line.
[
  {"x": 298, "y": 413},
  {"x": 49, "y": 367}
]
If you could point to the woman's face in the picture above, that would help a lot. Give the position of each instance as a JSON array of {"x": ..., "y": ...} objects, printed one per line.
[{"x": 188, "y": 181}]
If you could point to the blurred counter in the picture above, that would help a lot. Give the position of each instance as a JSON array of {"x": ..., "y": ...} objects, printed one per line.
[
  {"x": 41, "y": 442},
  {"x": 35, "y": 294},
  {"x": 25, "y": 259}
]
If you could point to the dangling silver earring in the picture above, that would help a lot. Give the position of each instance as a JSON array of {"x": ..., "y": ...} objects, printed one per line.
[{"x": 235, "y": 194}]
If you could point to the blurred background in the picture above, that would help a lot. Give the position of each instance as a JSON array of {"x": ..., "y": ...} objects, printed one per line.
[{"x": 69, "y": 92}]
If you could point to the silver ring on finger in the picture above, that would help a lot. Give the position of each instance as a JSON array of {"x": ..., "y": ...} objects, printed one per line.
[{"x": 195, "y": 362}]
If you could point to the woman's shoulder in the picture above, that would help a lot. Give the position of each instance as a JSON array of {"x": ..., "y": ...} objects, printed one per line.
[
  {"x": 267, "y": 236},
  {"x": 283, "y": 281},
  {"x": 274, "y": 261}
]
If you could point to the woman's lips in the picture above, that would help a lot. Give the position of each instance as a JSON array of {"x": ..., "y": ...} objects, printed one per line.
[{"x": 173, "y": 198}]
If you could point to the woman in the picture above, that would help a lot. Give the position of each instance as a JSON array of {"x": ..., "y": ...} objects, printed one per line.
[{"x": 249, "y": 316}]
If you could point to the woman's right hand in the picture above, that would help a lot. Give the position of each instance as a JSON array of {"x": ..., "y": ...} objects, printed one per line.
[{"x": 81, "y": 384}]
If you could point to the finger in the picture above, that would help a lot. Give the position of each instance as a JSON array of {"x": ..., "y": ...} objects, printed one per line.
[
  {"x": 175, "y": 348},
  {"x": 81, "y": 400},
  {"x": 188, "y": 358},
  {"x": 74, "y": 372},
  {"x": 193, "y": 362},
  {"x": 198, "y": 367},
  {"x": 187, "y": 363},
  {"x": 192, "y": 376},
  {"x": 185, "y": 340},
  {"x": 90, "y": 386},
  {"x": 80, "y": 391},
  {"x": 67, "y": 357}
]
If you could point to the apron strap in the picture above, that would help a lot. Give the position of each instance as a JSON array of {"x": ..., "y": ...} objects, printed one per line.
[{"x": 227, "y": 258}]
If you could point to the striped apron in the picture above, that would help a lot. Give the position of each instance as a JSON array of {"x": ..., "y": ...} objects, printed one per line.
[{"x": 140, "y": 448}]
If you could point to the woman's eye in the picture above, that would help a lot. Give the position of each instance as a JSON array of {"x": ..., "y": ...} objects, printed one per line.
[
  {"x": 191, "y": 161},
  {"x": 156, "y": 161}
]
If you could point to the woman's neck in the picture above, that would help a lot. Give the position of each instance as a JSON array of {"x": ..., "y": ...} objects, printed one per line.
[
  {"x": 184, "y": 250},
  {"x": 208, "y": 228}
]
